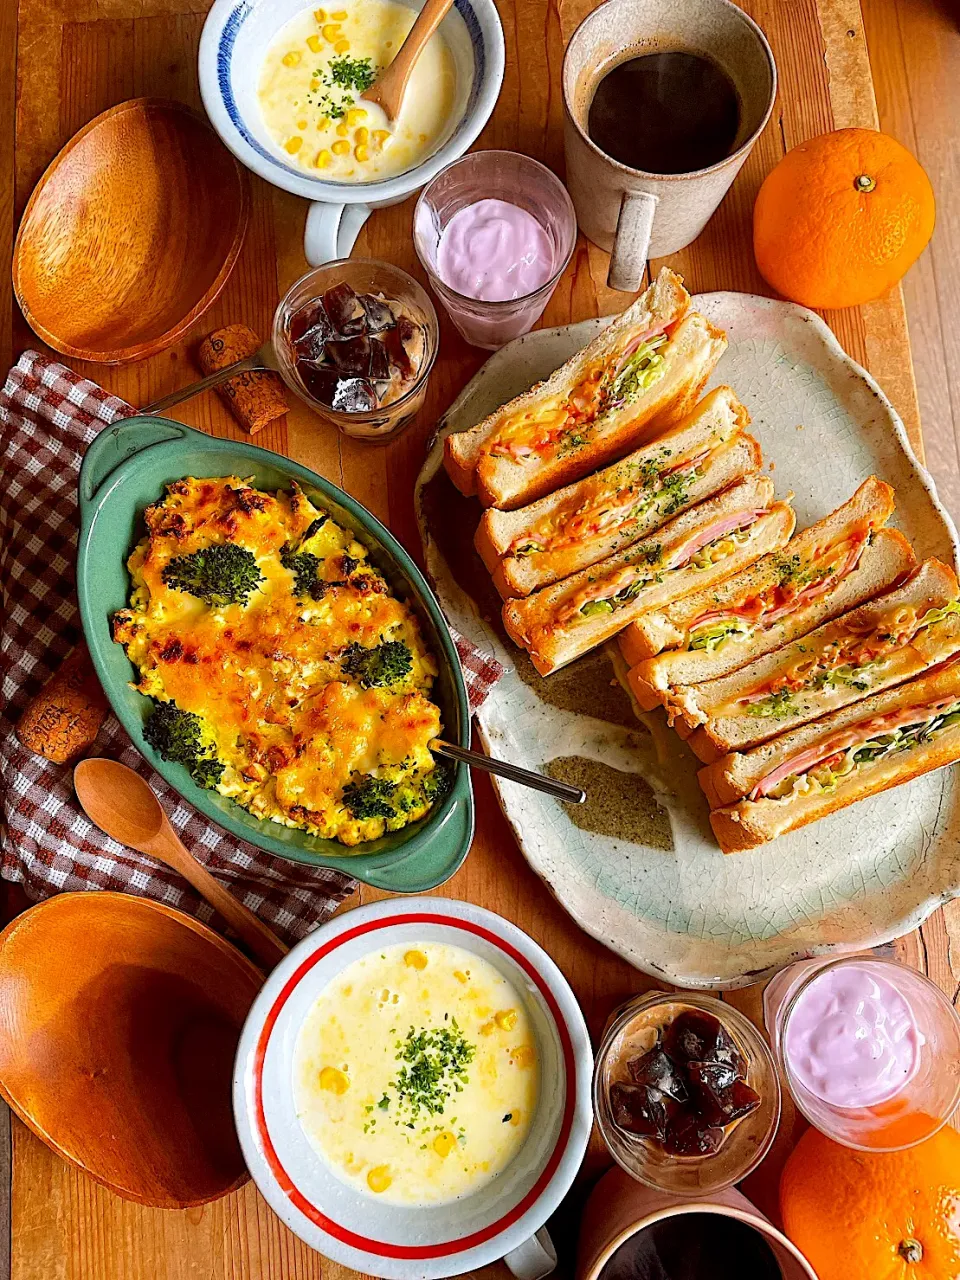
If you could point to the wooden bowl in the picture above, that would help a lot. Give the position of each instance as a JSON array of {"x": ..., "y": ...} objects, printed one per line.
[
  {"x": 120, "y": 1021},
  {"x": 131, "y": 233}
]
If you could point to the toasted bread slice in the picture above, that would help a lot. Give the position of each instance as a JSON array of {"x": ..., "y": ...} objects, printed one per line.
[
  {"x": 824, "y": 570},
  {"x": 587, "y": 521},
  {"x": 718, "y": 537},
  {"x": 876, "y": 646},
  {"x": 813, "y": 771},
  {"x": 663, "y": 304}
]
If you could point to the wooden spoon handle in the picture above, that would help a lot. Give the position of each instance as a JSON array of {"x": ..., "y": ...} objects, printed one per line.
[
  {"x": 398, "y": 72},
  {"x": 260, "y": 938}
]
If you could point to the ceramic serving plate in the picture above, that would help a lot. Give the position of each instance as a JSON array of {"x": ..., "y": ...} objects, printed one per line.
[
  {"x": 504, "y": 1218},
  {"x": 125, "y": 469},
  {"x": 637, "y": 866}
]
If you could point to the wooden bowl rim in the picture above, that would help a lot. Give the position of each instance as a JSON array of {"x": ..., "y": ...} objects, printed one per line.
[
  {"x": 180, "y": 918},
  {"x": 139, "y": 351}
]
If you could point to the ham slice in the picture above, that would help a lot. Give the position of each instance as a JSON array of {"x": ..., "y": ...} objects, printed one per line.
[
  {"x": 844, "y": 739},
  {"x": 727, "y": 524}
]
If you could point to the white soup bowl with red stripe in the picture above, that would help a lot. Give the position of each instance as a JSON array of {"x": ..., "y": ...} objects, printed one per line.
[{"x": 504, "y": 1217}]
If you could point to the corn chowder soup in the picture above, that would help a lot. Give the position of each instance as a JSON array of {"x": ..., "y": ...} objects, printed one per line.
[
  {"x": 416, "y": 1074},
  {"x": 314, "y": 72}
]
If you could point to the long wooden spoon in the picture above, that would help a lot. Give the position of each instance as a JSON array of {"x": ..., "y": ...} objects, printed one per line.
[
  {"x": 122, "y": 804},
  {"x": 389, "y": 89}
]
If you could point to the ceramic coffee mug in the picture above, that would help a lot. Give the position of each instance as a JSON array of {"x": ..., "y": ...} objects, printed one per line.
[
  {"x": 636, "y": 215},
  {"x": 620, "y": 1208}
]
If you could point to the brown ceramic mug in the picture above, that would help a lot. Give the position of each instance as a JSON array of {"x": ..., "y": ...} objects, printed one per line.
[
  {"x": 636, "y": 215},
  {"x": 619, "y": 1209}
]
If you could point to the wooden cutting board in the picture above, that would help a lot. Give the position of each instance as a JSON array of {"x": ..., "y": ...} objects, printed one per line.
[{"x": 77, "y": 57}]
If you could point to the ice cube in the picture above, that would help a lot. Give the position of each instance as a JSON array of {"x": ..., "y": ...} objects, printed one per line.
[
  {"x": 350, "y": 357},
  {"x": 378, "y": 313},
  {"x": 657, "y": 1071},
  {"x": 640, "y": 1110},
  {"x": 688, "y": 1135},
  {"x": 346, "y": 314},
  {"x": 354, "y": 395},
  {"x": 719, "y": 1094}
]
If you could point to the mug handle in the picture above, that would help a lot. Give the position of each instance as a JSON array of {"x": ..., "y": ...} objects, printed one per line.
[
  {"x": 533, "y": 1259},
  {"x": 628, "y": 261},
  {"x": 331, "y": 230}
]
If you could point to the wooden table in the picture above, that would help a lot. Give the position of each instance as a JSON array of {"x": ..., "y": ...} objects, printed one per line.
[{"x": 77, "y": 57}]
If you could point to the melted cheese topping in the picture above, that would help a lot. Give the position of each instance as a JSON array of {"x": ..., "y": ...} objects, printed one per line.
[
  {"x": 416, "y": 1075},
  {"x": 292, "y": 727}
]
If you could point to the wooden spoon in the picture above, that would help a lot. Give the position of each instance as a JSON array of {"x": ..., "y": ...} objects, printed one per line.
[
  {"x": 389, "y": 89},
  {"x": 122, "y": 804}
]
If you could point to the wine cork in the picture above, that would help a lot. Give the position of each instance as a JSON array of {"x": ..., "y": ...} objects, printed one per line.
[
  {"x": 255, "y": 398},
  {"x": 64, "y": 718}
]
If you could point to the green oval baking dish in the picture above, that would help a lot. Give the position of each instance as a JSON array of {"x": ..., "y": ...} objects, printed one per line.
[{"x": 125, "y": 469}]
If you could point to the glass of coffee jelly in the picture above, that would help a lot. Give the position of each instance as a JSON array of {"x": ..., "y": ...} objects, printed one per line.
[
  {"x": 869, "y": 1048},
  {"x": 356, "y": 339},
  {"x": 685, "y": 1092}
]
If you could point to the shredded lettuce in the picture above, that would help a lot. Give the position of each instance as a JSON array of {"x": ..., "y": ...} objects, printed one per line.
[
  {"x": 529, "y": 549},
  {"x": 938, "y": 615},
  {"x": 593, "y": 607},
  {"x": 711, "y": 637},
  {"x": 639, "y": 373}
]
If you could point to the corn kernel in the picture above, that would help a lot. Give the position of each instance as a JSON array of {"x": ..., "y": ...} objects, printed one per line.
[
  {"x": 323, "y": 159},
  {"x": 342, "y": 46},
  {"x": 514, "y": 1118},
  {"x": 379, "y": 1179},
  {"x": 342, "y": 130},
  {"x": 339, "y": 16},
  {"x": 362, "y": 135},
  {"x": 488, "y": 1028},
  {"x": 314, "y": 86},
  {"x": 320, "y": 15},
  {"x": 460, "y": 976},
  {"x": 506, "y": 1019},
  {"x": 340, "y": 147},
  {"x": 323, "y": 123},
  {"x": 293, "y": 144},
  {"x": 292, "y": 59},
  {"x": 523, "y": 1056},
  {"x": 444, "y": 1143},
  {"x": 333, "y": 1081},
  {"x": 331, "y": 31},
  {"x": 415, "y": 960},
  {"x": 313, "y": 44},
  {"x": 355, "y": 115},
  {"x": 301, "y": 124},
  {"x": 362, "y": 154},
  {"x": 381, "y": 137}
]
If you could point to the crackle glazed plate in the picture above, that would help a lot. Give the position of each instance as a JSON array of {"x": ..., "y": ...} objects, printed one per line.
[{"x": 637, "y": 866}]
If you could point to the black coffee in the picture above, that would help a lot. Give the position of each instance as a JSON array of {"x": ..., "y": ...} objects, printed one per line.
[
  {"x": 665, "y": 113},
  {"x": 694, "y": 1246}
]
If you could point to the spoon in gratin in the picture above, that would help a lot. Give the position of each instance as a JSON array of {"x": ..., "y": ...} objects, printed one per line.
[
  {"x": 122, "y": 804},
  {"x": 512, "y": 772}
]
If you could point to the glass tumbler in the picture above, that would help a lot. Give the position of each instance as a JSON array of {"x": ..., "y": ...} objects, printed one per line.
[
  {"x": 918, "y": 1108},
  {"x": 364, "y": 275},
  {"x": 515, "y": 179},
  {"x": 632, "y": 1030}
]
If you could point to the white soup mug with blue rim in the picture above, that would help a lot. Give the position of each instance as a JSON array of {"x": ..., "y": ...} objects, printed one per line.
[{"x": 235, "y": 39}]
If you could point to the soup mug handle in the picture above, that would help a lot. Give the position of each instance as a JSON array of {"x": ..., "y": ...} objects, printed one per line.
[
  {"x": 628, "y": 260},
  {"x": 331, "y": 231},
  {"x": 534, "y": 1258}
]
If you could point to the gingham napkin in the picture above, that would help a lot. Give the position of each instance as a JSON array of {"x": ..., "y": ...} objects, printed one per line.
[{"x": 48, "y": 416}]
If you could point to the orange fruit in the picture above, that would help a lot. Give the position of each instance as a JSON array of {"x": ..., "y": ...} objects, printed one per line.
[
  {"x": 842, "y": 218},
  {"x": 878, "y": 1216}
]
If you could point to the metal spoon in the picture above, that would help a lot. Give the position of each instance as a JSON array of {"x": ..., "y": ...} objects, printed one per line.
[
  {"x": 121, "y": 803},
  {"x": 513, "y": 772},
  {"x": 265, "y": 358}
]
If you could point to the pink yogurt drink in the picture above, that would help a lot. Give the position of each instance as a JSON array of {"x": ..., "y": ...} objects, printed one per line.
[
  {"x": 494, "y": 251},
  {"x": 852, "y": 1039},
  {"x": 870, "y": 1049}
]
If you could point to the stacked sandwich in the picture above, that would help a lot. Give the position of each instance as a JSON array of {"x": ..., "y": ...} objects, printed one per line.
[{"x": 807, "y": 670}]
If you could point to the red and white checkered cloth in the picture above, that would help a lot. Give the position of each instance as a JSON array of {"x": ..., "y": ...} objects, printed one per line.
[{"x": 48, "y": 416}]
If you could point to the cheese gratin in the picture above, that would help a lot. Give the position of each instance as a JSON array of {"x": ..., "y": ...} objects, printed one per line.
[{"x": 286, "y": 675}]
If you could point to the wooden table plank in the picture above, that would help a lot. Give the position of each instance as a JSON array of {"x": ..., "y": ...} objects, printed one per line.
[{"x": 79, "y": 56}]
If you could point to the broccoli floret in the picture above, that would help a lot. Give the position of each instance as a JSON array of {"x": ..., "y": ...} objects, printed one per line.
[
  {"x": 438, "y": 782},
  {"x": 384, "y": 664},
  {"x": 179, "y": 736},
  {"x": 305, "y": 568},
  {"x": 370, "y": 797},
  {"x": 219, "y": 575}
]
